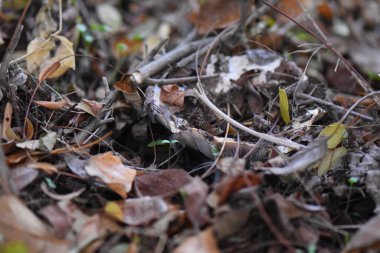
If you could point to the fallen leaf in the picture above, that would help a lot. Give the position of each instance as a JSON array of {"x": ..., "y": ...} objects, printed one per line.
[
  {"x": 109, "y": 15},
  {"x": 204, "y": 242},
  {"x": 23, "y": 176},
  {"x": 64, "y": 55},
  {"x": 39, "y": 51},
  {"x": 172, "y": 95},
  {"x": 17, "y": 222},
  {"x": 331, "y": 159},
  {"x": 284, "y": 106},
  {"x": 195, "y": 194},
  {"x": 367, "y": 239},
  {"x": 336, "y": 133},
  {"x": 7, "y": 120},
  {"x": 112, "y": 171},
  {"x": 143, "y": 210},
  {"x": 214, "y": 14},
  {"x": 60, "y": 220},
  {"x": 53, "y": 105},
  {"x": 91, "y": 107},
  {"x": 47, "y": 167},
  {"x": 114, "y": 210},
  {"x": 162, "y": 183}
]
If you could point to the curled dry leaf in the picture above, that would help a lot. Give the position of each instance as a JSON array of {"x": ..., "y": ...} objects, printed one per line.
[
  {"x": 53, "y": 105},
  {"x": 39, "y": 51},
  {"x": 61, "y": 197},
  {"x": 90, "y": 106},
  {"x": 47, "y": 167},
  {"x": 172, "y": 95},
  {"x": 112, "y": 171},
  {"x": 64, "y": 55}
]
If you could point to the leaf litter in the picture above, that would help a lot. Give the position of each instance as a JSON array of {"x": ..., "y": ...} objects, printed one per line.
[{"x": 192, "y": 126}]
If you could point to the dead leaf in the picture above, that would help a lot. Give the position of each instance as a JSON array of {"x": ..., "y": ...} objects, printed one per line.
[
  {"x": 7, "y": 120},
  {"x": 162, "y": 183},
  {"x": 64, "y": 55},
  {"x": 195, "y": 194},
  {"x": 143, "y": 210},
  {"x": 214, "y": 14},
  {"x": 331, "y": 159},
  {"x": 53, "y": 105},
  {"x": 91, "y": 107},
  {"x": 23, "y": 176},
  {"x": 109, "y": 15},
  {"x": 60, "y": 220},
  {"x": 112, "y": 171},
  {"x": 203, "y": 242},
  {"x": 172, "y": 95},
  {"x": 17, "y": 222},
  {"x": 47, "y": 167},
  {"x": 61, "y": 197},
  {"x": 114, "y": 210},
  {"x": 40, "y": 52},
  {"x": 367, "y": 238}
]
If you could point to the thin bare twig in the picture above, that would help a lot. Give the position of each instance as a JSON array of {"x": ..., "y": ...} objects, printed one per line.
[
  {"x": 279, "y": 141},
  {"x": 179, "y": 79},
  {"x": 357, "y": 103},
  {"x": 340, "y": 108}
]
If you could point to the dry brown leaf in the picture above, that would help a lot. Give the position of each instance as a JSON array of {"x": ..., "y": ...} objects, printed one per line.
[
  {"x": 29, "y": 129},
  {"x": 172, "y": 95},
  {"x": 203, "y": 242},
  {"x": 214, "y": 14},
  {"x": 53, "y": 105},
  {"x": 17, "y": 222},
  {"x": 90, "y": 106},
  {"x": 7, "y": 120},
  {"x": 164, "y": 182},
  {"x": 112, "y": 171},
  {"x": 48, "y": 70}
]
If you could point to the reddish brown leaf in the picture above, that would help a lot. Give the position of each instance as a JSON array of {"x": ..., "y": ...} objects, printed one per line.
[
  {"x": 171, "y": 95},
  {"x": 164, "y": 182},
  {"x": 47, "y": 71}
]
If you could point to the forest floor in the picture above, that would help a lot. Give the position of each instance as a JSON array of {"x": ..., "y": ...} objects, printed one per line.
[{"x": 189, "y": 126}]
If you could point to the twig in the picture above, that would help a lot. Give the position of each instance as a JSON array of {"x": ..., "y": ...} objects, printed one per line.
[
  {"x": 357, "y": 103},
  {"x": 340, "y": 108},
  {"x": 279, "y": 141},
  {"x": 179, "y": 79}
]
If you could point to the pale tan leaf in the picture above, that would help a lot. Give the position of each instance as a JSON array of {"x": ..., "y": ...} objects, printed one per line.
[
  {"x": 112, "y": 171},
  {"x": 203, "y": 242},
  {"x": 47, "y": 167},
  {"x": 53, "y": 105},
  {"x": 90, "y": 106},
  {"x": 40, "y": 52}
]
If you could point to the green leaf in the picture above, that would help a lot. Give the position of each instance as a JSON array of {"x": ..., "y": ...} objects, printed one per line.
[
  {"x": 14, "y": 247},
  {"x": 336, "y": 133},
  {"x": 331, "y": 159},
  {"x": 161, "y": 142},
  {"x": 50, "y": 183},
  {"x": 284, "y": 106}
]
